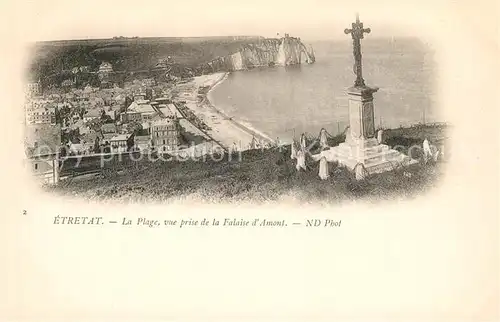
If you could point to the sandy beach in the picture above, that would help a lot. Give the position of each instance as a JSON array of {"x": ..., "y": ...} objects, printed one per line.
[{"x": 224, "y": 128}]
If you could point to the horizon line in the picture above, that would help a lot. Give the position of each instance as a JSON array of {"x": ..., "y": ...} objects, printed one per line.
[{"x": 201, "y": 37}]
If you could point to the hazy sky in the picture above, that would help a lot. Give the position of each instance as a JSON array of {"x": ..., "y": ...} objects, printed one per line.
[{"x": 309, "y": 19}]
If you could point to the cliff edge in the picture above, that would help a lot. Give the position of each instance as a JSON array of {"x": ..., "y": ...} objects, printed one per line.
[
  {"x": 265, "y": 52},
  {"x": 54, "y": 62}
]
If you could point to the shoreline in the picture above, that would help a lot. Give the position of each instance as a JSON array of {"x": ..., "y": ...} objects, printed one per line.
[
  {"x": 228, "y": 130},
  {"x": 230, "y": 133},
  {"x": 208, "y": 99}
]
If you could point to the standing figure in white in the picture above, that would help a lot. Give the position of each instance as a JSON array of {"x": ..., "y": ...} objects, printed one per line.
[
  {"x": 323, "y": 169},
  {"x": 301, "y": 160}
]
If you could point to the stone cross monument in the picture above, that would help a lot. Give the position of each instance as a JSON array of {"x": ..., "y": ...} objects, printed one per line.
[
  {"x": 361, "y": 115},
  {"x": 357, "y": 32},
  {"x": 361, "y": 149}
]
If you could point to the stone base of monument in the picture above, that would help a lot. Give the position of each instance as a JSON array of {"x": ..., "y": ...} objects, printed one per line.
[
  {"x": 375, "y": 158},
  {"x": 361, "y": 152}
]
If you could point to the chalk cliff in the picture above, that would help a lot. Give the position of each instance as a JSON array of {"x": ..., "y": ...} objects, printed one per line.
[
  {"x": 265, "y": 52},
  {"x": 292, "y": 50}
]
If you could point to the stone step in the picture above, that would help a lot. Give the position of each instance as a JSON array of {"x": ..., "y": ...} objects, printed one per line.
[
  {"x": 381, "y": 154},
  {"x": 387, "y": 156},
  {"x": 368, "y": 143},
  {"x": 380, "y": 165},
  {"x": 368, "y": 151},
  {"x": 366, "y": 157},
  {"x": 376, "y": 159},
  {"x": 389, "y": 165},
  {"x": 393, "y": 156}
]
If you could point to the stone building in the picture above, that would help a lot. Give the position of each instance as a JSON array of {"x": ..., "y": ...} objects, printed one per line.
[
  {"x": 41, "y": 115},
  {"x": 130, "y": 116},
  {"x": 122, "y": 143},
  {"x": 92, "y": 114},
  {"x": 42, "y": 143},
  {"x": 165, "y": 134},
  {"x": 33, "y": 89},
  {"x": 145, "y": 109},
  {"x": 142, "y": 143},
  {"x": 105, "y": 67},
  {"x": 42, "y": 139}
]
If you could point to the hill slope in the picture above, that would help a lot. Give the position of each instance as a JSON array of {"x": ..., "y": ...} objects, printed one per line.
[
  {"x": 261, "y": 175},
  {"x": 128, "y": 54}
]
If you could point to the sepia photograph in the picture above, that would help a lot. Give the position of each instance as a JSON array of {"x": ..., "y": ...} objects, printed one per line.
[
  {"x": 237, "y": 118},
  {"x": 269, "y": 160}
]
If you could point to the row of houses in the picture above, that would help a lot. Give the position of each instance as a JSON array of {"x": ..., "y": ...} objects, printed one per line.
[
  {"x": 140, "y": 111},
  {"x": 43, "y": 163},
  {"x": 164, "y": 136},
  {"x": 159, "y": 131},
  {"x": 41, "y": 115},
  {"x": 33, "y": 89},
  {"x": 42, "y": 140},
  {"x": 41, "y": 110}
]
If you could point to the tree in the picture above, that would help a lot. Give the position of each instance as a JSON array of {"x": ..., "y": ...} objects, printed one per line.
[
  {"x": 58, "y": 116},
  {"x": 81, "y": 111},
  {"x": 134, "y": 127},
  {"x": 94, "y": 81},
  {"x": 105, "y": 118},
  {"x": 149, "y": 94},
  {"x": 128, "y": 101},
  {"x": 97, "y": 148},
  {"x": 62, "y": 114},
  {"x": 70, "y": 135},
  {"x": 107, "y": 148},
  {"x": 95, "y": 125},
  {"x": 62, "y": 151}
]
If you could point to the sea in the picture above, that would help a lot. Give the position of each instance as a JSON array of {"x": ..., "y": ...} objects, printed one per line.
[{"x": 285, "y": 102}]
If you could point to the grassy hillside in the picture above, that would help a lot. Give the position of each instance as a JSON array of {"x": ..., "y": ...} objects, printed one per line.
[
  {"x": 262, "y": 175},
  {"x": 127, "y": 54}
]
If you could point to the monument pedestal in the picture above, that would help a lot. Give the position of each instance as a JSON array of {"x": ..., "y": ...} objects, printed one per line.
[
  {"x": 361, "y": 148},
  {"x": 374, "y": 157}
]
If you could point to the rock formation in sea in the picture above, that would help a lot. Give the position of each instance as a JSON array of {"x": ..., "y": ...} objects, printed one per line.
[{"x": 265, "y": 52}]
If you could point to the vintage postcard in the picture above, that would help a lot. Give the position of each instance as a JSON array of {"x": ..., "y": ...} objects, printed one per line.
[{"x": 270, "y": 160}]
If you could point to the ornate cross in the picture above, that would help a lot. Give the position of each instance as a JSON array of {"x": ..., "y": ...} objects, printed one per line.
[{"x": 357, "y": 32}]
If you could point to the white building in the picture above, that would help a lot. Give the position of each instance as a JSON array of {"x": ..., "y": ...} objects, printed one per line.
[
  {"x": 42, "y": 143},
  {"x": 44, "y": 170},
  {"x": 41, "y": 115},
  {"x": 105, "y": 67},
  {"x": 146, "y": 110},
  {"x": 91, "y": 115},
  {"x": 165, "y": 134},
  {"x": 121, "y": 143},
  {"x": 33, "y": 89}
]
